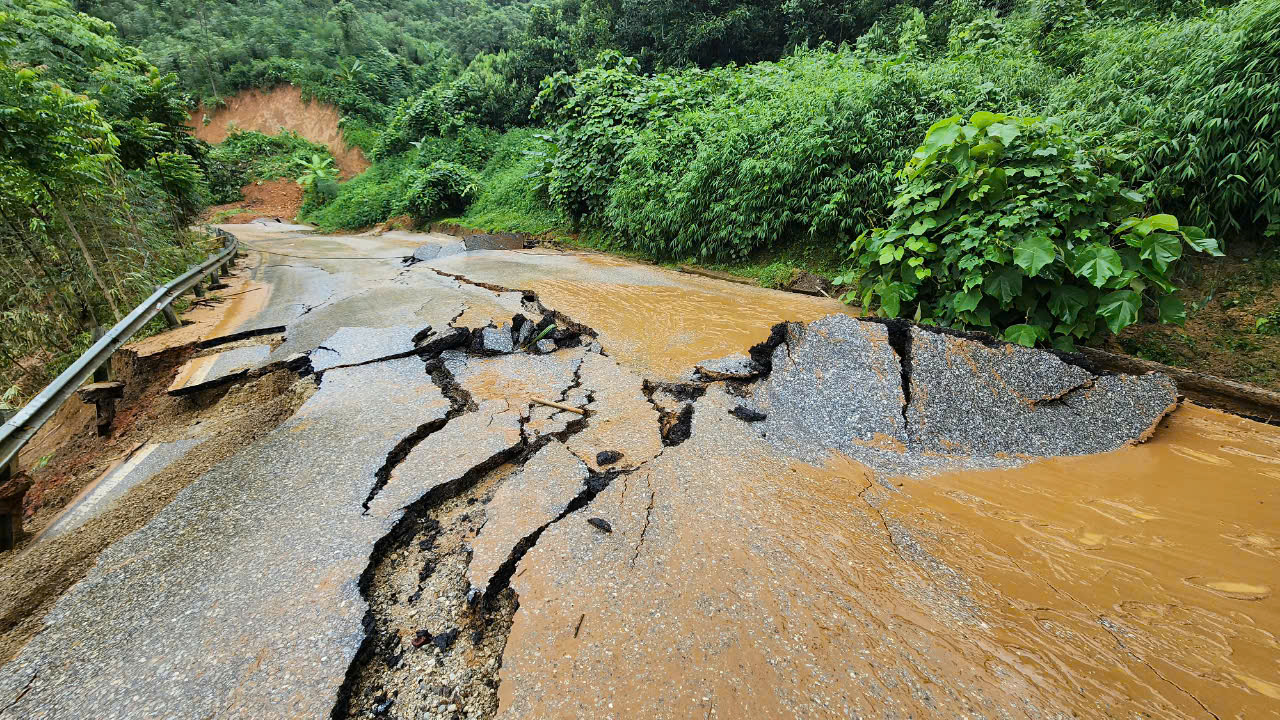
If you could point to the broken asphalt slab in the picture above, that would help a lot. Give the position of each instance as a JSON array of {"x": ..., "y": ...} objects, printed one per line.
[
  {"x": 533, "y": 497},
  {"x": 217, "y": 369},
  {"x": 359, "y": 345},
  {"x": 837, "y": 385},
  {"x": 968, "y": 398},
  {"x": 433, "y": 250}
]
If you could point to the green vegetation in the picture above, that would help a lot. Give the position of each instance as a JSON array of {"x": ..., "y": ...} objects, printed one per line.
[
  {"x": 98, "y": 181},
  {"x": 1007, "y": 222},
  {"x": 248, "y": 156},
  {"x": 1104, "y": 113},
  {"x": 1070, "y": 149}
]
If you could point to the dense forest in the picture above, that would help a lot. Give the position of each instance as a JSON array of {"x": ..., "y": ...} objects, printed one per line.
[{"x": 1035, "y": 168}]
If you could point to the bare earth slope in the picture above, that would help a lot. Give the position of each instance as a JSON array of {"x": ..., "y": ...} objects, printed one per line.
[{"x": 267, "y": 111}]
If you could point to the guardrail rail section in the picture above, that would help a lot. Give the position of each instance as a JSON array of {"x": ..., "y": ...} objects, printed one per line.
[{"x": 19, "y": 428}]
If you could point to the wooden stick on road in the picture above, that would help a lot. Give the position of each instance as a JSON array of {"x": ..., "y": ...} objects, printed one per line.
[{"x": 558, "y": 406}]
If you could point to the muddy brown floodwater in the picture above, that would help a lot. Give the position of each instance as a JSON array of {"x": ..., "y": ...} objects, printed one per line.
[
  {"x": 1131, "y": 573},
  {"x": 648, "y": 316},
  {"x": 1138, "y": 583}
]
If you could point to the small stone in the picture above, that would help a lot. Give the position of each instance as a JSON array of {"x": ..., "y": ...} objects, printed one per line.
[
  {"x": 600, "y": 524},
  {"x": 496, "y": 340},
  {"x": 525, "y": 333},
  {"x": 746, "y": 414},
  {"x": 545, "y": 346},
  {"x": 473, "y": 595},
  {"x": 444, "y": 640},
  {"x": 477, "y": 636},
  {"x": 422, "y": 638},
  {"x": 608, "y": 457}
]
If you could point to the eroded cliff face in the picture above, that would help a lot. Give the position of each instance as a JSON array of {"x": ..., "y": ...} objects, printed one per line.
[{"x": 267, "y": 111}]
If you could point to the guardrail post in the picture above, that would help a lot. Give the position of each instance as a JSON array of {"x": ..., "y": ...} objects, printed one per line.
[
  {"x": 102, "y": 373},
  {"x": 11, "y": 499},
  {"x": 199, "y": 291},
  {"x": 224, "y": 269},
  {"x": 170, "y": 317}
]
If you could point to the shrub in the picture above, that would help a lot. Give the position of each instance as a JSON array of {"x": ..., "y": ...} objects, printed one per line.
[
  {"x": 1193, "y": 106},
  {"x": 1005, "y": 223},
  {"x": 367, "y": 199},
  {"x": 440, "y": 188},
  {"x": 257, "y": 156},
  {"x": 510, "y": 193},
  {"x": 716, "y": 164}
]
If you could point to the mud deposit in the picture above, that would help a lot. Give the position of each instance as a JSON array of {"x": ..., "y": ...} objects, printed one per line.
[{"x": 650, "y": 318}]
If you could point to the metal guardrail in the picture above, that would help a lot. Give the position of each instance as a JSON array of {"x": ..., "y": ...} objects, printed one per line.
[{"x": 19, "y": 429}]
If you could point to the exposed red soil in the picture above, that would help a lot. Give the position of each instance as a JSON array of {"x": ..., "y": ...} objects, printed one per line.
[
  {"x": 1233, "y": 322},
  {"x": 270, "y": 111},
  {"x": 280, "y": 198}
]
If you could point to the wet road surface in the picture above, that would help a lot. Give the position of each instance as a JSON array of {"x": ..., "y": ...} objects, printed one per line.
[{"x": 414, "y": 541}]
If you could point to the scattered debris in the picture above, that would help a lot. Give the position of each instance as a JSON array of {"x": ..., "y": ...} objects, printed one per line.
[
  {"x": 806, "y": 283},
  {"x": 733, "y": 367},
  {"x": 607, "y": 457},
  {"x": 545, "y": 346},
  {"x": 746, "y": 414},
  {"x": 444, "y": 640},
  {"x": 600, "y": 524},
  {"x": 559, "y": 406}
]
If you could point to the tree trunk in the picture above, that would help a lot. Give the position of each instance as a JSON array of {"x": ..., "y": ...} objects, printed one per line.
[{"x": 84, "y": 250}]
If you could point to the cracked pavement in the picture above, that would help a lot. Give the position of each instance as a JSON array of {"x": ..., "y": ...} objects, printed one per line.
[{"x": 857, "y": 520}]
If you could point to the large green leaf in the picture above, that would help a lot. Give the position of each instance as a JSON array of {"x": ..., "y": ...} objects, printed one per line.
[
  {"x": 1097, "y": 263},
  {"x": 982, "y": 119},
  {"x": 1161, "y": 249},
  {"x": 1033, "y": 254},
  {"x": 1120, "y": 309},
  {"x": 1066, "y": 301},
  {"x": 1196, "y": 239},
  {"x": 891, "y": 300},
  {"x": 1025, "y": 335},
  {"x": 1004, "y": 284},
  {"x": 1007, "y": 133},
  {"x": 967, "y": 301}
]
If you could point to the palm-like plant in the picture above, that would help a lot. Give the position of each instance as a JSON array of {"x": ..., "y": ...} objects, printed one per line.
[{"x": 315, "y": 171}]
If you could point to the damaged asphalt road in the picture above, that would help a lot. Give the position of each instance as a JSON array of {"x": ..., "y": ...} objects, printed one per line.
[{"x": 427, "y": 537}]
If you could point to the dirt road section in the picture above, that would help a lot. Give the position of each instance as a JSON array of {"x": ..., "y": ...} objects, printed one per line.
[
  {"x": 507, "y": 493},
  {"x": 268, "y": 111}
]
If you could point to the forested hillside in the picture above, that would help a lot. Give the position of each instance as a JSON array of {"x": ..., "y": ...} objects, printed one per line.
[
  {"x": 1040, "y": 169},
  {"x": 98, "y": 180}
]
